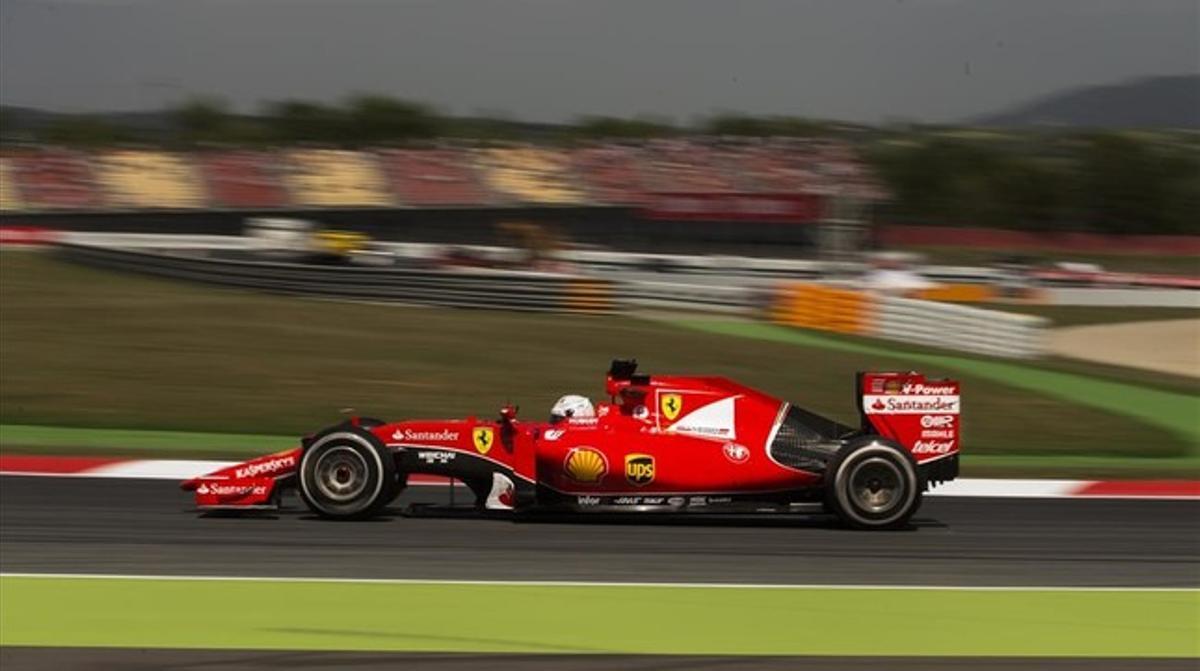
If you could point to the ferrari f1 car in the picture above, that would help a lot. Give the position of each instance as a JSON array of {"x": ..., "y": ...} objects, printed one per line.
[{"x": 661, "y": 444}]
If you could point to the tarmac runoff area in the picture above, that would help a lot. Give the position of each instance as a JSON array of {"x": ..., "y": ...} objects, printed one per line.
[{"x": 1014, "y": 581}]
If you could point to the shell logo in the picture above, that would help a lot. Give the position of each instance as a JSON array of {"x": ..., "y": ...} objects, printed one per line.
[{"x": 585, "y": 465}]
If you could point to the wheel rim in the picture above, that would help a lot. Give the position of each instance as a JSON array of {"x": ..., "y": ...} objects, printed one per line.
[
  {"x": 341, "y": 474},
  {"x": 876, "y": 485}
]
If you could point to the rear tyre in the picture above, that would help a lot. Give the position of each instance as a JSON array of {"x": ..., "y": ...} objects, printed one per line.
[
  {"x": 873, "y": 485},
  {"x": 346, "y": 474}
]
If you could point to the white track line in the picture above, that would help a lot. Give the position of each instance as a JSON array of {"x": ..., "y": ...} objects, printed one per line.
[
  {"x": 159, "y": 469},
  {"x": 1008, "y": 488},
  {"x": 585, "y": 583}
]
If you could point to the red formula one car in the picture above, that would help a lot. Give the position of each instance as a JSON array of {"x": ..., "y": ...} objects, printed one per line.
[{"x": 662, "y": 444}]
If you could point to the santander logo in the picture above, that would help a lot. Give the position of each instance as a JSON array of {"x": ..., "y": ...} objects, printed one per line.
[{"x": 912, "y": 404}]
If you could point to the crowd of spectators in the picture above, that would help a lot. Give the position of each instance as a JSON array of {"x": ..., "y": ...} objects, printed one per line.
[{"x": 600, "y": 173}]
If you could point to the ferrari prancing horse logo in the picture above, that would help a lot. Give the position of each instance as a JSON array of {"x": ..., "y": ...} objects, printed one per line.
[
  {"x": 670, "y": 405},
  {"x": 483, "y": 437}
]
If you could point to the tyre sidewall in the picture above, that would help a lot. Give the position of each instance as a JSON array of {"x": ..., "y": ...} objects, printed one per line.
[
  {"x": 381, "y": 474},
  {"x": 838, "y": 496}
]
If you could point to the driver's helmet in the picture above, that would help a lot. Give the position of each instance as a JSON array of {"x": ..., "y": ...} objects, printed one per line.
[{"x": 571, "y": 405}]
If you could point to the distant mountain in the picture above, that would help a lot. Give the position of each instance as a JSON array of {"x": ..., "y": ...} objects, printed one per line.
[{"x": 1154, "y": 102}]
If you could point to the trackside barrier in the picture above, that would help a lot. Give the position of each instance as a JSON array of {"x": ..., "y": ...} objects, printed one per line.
[
  {"x": 951, "y": 326},
  {"x": 1163, "y": 298},
  {"x": 824, "y": 308},
  {"x": 958, "y": 293},
  {"x": 486, "y": 289},
  {"x": 910, "y": 320},
  {"x": 27, "y": 236},
  {"x": 689, "y": 297}
]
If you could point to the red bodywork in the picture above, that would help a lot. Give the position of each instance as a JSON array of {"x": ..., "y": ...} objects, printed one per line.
[{"x": 660, "y": 442}]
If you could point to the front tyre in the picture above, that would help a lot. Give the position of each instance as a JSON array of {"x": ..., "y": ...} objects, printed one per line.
[
  {"x": 347, "y": 474},
  {"x": 873, "y": 485}
]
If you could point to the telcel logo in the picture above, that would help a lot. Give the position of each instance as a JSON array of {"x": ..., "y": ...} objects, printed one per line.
[{"x": 933, "y": 446}]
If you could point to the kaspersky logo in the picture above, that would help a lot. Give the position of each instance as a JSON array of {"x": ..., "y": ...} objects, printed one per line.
[{"x": 265, "y": 468}]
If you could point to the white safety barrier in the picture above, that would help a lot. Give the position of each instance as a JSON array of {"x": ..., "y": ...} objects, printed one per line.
[
  {"x": 155, "y": 240},
  {"x": 689, "y": 297},
  {"x": 959, "y": 327},
  {"x": 1142, "y": 298}
]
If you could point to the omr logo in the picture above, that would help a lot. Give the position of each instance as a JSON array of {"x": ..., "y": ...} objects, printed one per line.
[{"x": 936, "y": 421}]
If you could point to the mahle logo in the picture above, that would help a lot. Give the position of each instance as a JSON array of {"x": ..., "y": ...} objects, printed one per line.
[
  {"x": 639, "y": 469},
  {"x": 483, "y": 437},
  {"x": 670, "y": 405}
]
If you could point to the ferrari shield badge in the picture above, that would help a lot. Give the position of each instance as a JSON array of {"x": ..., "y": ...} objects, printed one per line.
[
  {"x": 670, "y": 405},
  {"x": 482, "y": 437}
]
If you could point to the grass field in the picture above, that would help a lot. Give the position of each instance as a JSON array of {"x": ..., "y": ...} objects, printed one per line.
[
  {"x": 92, "y": 349},
  {"x": 429, "y": 616}
]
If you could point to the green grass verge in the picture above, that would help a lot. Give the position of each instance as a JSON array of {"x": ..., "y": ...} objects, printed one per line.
[
  {"x": 126, "y": 442},
  {"x": 437, "y": 617},
  {"x": 102, "y": 350}
]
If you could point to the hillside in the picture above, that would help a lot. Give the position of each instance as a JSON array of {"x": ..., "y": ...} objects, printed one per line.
[{"x": 1154, "y": 102}]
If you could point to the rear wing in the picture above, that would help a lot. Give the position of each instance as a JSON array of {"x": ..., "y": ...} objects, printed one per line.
[{"x": 921, "y": 414}]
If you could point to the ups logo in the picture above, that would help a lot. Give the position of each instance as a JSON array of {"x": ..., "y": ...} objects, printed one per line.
[{"x": 639, "y": 469}]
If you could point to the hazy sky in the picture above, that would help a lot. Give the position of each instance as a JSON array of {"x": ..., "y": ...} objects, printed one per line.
[{"x": 865, "y": 60}]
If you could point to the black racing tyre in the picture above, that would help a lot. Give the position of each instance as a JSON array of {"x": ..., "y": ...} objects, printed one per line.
[
  {"x": 346, "y": 473},
  {"x": 401, "y": 478},
  {"x": 873, "y": 484}
]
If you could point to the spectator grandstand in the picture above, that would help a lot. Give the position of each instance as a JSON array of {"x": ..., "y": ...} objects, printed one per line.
[
  {"x": 683, "y": 166},
  {"x": 433, "y": 177},
  {"x": 768, "y": 167},
  {"x": 335, "y": 178},
  {"x": 242, "y": 180},
  {"x": 602, "y": 173},
  {"x": 610, "y": 173},
  {"x": 148, "y": 179},
  {"x": 10, "y": 198},
  {"x": 54, "y": 179},
  {"x": 530, "y": 175}
]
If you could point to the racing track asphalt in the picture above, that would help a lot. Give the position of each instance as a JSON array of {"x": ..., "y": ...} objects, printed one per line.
[{"x": 82, "y": 525}]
